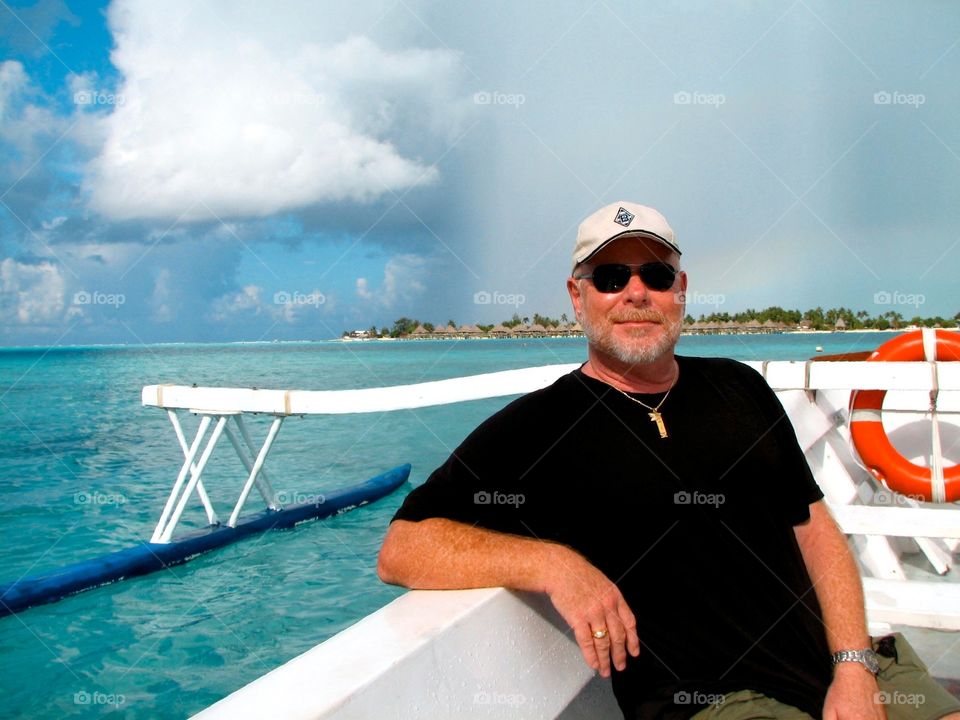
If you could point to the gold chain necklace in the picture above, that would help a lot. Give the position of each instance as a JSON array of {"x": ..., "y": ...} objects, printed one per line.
[{"x": 654, "y": 413}]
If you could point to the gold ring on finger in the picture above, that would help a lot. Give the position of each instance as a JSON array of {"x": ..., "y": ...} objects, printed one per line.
[{"x": 600, "y": 634}]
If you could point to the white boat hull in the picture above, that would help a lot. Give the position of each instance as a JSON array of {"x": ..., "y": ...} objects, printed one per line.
[{"x": 496, "y": 654}]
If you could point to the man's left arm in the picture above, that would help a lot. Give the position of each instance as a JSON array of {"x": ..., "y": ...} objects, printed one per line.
[{"x": 836, "y": 580}]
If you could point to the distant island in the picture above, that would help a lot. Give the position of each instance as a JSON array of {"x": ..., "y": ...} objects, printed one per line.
[{"x": 771, "y": 320}]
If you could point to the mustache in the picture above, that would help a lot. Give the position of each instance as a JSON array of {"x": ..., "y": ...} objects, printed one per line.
[{"x": 640, "y": 315}]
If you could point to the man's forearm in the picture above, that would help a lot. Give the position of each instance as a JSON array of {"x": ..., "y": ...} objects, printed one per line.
[
  {"x": 437, "y": 554},
  {"x": 836, "y": 580}
]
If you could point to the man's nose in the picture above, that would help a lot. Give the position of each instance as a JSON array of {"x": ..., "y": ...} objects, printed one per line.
[{"x": 635, "y": 290}]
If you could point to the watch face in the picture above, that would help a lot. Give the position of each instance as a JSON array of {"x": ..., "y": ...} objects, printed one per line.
[{"x": 871, "y": 661}]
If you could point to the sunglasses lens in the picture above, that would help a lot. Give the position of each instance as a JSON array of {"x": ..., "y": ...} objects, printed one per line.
[
  {"x": 614, "y": 278},
  {"x": 611, "y": 278},
  {"x": 658, "y": 276}
]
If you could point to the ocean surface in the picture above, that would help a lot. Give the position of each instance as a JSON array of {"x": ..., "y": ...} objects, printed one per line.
[{"x": 85, "y": 470}]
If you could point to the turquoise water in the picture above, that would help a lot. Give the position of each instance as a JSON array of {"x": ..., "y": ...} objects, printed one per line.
[{"x": 85, "y": 469}]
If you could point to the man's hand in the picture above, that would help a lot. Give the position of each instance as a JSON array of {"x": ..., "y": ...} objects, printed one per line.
[
  {"x": 853, "y": 695},
  {"x": 589, "y": 601},
  {"x": 437, "y": 553}
]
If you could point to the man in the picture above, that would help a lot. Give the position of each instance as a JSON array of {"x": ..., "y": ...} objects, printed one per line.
[{"x": 667, "y": 510}]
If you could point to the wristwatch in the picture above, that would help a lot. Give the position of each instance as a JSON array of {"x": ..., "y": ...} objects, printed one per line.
[{"x": 867, "y": 658}]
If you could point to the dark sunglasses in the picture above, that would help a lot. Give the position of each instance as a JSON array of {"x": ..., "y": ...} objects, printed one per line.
[{"x": 613, "y": 278}]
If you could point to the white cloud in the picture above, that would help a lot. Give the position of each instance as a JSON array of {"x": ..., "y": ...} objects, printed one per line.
[
  {"x": 13, "y": 81},
  {"x": 53, "y": 224},
  {"x": 249, "y": 301},
  {"x": 33, "y": 293},
  {"x": 288, "y": 306},
  {"x": 24, "y": 121},
  {"x": 363, "y": 289},
  {"x": 162, "y": 296},
  {"x": 400, "y": 284},
  {"x": 221, "y": 110}
]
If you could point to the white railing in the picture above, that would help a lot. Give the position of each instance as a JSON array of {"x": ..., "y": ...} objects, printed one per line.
[{"x": 815, "y": 395}]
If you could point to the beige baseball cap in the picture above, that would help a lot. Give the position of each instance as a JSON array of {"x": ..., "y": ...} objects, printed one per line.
[{"x": 621, "y": 219}]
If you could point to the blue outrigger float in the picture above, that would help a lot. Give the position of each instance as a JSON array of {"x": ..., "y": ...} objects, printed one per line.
[
  {"x": 148, "y": 557},
  {"x": 221, "y": 412}
]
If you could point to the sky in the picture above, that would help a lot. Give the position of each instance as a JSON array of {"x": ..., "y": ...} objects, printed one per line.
[{"x": 225, "y": 170}]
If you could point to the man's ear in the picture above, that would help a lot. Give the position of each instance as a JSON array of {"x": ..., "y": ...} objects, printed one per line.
[{"x": 573, "y": 288}]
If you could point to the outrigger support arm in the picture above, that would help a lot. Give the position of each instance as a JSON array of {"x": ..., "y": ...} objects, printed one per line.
[
  {"x": 179, "y": 495},
  {"x": 258, "y": 474},
  {"x": 201, "y": 490}
]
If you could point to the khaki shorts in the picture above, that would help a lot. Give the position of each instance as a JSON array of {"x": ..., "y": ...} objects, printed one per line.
[{"x": 906, "y": 689}]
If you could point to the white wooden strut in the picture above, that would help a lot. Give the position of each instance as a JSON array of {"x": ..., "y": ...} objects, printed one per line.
[
  {"x": 180, "y": 494},
  {"x": 201, "y": 491}
]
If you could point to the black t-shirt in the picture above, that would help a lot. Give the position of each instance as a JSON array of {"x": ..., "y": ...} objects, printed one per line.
[{"x": 696, "y": 529}]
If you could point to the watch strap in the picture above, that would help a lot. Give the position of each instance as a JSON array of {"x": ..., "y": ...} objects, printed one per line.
[{"x": 866, "y": 657}]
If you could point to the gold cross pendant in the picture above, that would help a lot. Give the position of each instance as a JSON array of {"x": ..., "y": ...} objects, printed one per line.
[{"x": 658, "y": 419}]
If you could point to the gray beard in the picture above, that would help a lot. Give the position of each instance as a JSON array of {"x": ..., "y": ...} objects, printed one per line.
[{"x": 631, "y": 354}]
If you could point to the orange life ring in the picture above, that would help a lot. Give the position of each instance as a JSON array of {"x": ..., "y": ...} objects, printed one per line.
[{"x": 870, "y": 439}]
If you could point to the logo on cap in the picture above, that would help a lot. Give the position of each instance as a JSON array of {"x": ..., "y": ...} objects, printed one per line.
[{"x": 624, "y": 217}]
